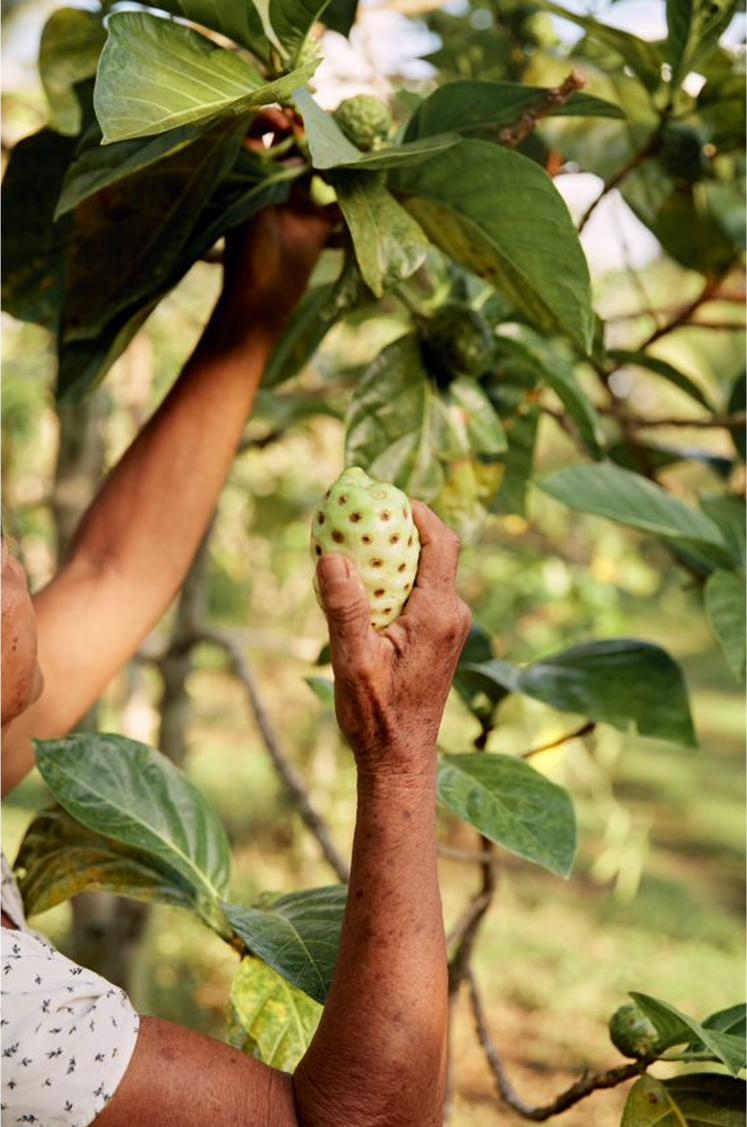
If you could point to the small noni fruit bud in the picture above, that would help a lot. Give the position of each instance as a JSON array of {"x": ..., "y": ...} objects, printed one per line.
[
  {"x": 371, "y": 523},
  {"x": 632, "y": 1031},
  {"x": 457, "y": 341},
  {"x": 364, "y": 120}
]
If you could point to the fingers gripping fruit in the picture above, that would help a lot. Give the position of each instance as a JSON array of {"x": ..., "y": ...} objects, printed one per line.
[
  {"x": 364, "y": 120},
  {"x": 371, "y": 523},
  {"x": 632, "y": 1031}
]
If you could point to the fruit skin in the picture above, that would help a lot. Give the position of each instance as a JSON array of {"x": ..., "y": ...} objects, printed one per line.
[
  {"x": 457, "y": 341},
  {"x": 371, "y": 523},
  {"x": 632, "y": 1031},
  {"x": 682, "y": 152},
  {"x": 364, "y": 120}
]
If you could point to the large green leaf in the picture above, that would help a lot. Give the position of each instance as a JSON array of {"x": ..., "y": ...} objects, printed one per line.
[
  {"x": 643, "y": 56},
  {"x": 676, "y": 1028},
  {"x": 609, "y": 491},
  {"x": 513, "y": 805},
  {"x": 129, "y": 792},
  {"x": 83, "y": 363},
  {"x": 696, "y": 1100},
  {"x": 389, "y": 244},
  {"x": 403, "y": 429},
  {"x": 155, "y": 74},
  {"x": 240, "y": 20},
  {"x": 472, "y": 105},
  {"x": 695, "y": 27},
  {"x": 473, "y": 201},
  {"x": 34, "y": 259},
  {"x": 270, "y": 1019},
  {"x": 727, "y": 614},
  {"x": 617, "y": 681},
  {"x": 297, "y": 934},
  {"x": 69, "y": 52},
  {"x": 59, "y": 857},
  {"x": 292, "y": 20},
  {"x": 339, "y": 15}
]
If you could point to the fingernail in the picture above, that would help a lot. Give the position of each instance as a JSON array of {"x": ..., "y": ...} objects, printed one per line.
[{"x": 332, "y": 567}]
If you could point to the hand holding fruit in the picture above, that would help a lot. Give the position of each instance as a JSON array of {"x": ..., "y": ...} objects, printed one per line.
[{"x": 391, "y": 684}]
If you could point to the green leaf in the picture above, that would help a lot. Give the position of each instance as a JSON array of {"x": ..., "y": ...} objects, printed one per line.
[
  {"x": 402, "y": 429},
  {"x": 240, "y": 20},
  {"x": 389, "y": 244},
  {"x": 59, "y": 858},
  {"x": 609, "y": 491},
  {"x": 729, "y": 512},
  {"x": 662, "y": 368},
  {"x": 695, "y": 1100},
  {"x": 738, "y": 402},
  {"x": 676, "y": 1028},
  {"x": 339, "y": 15},
  {"x": 155, "y": 74},
  {"x": 297, "y": 934},
  {"x": 34, "y": 259},
  {"x": 472, "y": 105},
  {"x": 83, "y": 363},
  {"x": 270, "y": 1019},
  {"x": 328, "y": 144},
  {"x": 292, "y": 20},
  {"x": 473, "y": 201},
  {"x": 69, "y": 52},
  {"x": 131, "y": 793},
  {"x": 727, "y": 615},
  {"x": 642, "y": 55},
  {"x": 695, "y": 27},
  {"x": 322, "y": 688},
  {"x": 513, "y": 805}
]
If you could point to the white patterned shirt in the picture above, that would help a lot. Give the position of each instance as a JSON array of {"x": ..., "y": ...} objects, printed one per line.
[{"x": 67, "y": 1034}]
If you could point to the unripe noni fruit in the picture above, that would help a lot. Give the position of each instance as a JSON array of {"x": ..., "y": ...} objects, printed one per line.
[
  {"x": 364, "y": 120},
  {"x": 371, "y": 523},
  {"x": 457, "y": 341},
  {"x": 632, "y": 1031}
]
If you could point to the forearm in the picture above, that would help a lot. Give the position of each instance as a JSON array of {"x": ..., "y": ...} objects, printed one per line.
[{"x": 379, "y": 1054}]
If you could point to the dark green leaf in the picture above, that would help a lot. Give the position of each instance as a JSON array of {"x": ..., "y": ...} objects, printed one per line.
[
  {"x": 69, "y": 52},
  {"x": 270, "y": 1019},
  {"x": 297, "y": 934},
  {"x": 731, "y": 1020},
  {"x": 473, "y": 200},
  {"x": 83, "y": 363},
  {"x": 679, "y": 21},
  {"x": 240, "y": 20},
  {"x": 727, "y": 614},
  {"x": 695, "y": 27},
  {"x": 180, "y": 77},
  {"x": 129, "y": 792},
  {"x": 59, "y": 858},
  {"x": 513, "y": 805},
  {"x": 609, "y": 491},
  {"x": 389, "y": 244},
  {"x": 695, "y": 1100},
  {"x": 292, "y": 20},
  {"x": 34, "y": 259},
  {"x": 664, "y": 369},
  {"x": 473, "y": 105},
  {"x": 339, "y": 15},
  {"x": 729, "y": 512},
  {"x": 738, "y": 402},
  {"x": 676, "y": 1028}
]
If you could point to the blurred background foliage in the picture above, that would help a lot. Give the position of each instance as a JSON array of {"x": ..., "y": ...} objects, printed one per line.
[{"x": 656, "y": 899}]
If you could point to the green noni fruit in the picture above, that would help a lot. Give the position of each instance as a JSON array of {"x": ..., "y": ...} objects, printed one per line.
[
  {"x": 364, "y": 120},
  {"x": 371, "y": 523},
  {"x": 632, "y": 1031},
  {"x": 457, "y": 341}
]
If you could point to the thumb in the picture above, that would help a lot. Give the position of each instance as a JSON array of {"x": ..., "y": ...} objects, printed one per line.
[{"x": 345, "y": 604}]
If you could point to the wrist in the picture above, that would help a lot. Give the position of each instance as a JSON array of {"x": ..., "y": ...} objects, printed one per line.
[{"x": 242, "y": 330}]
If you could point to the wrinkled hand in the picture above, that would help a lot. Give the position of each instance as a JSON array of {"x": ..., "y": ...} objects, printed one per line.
[
  {"x": 268, "y": 261},
  {"x": 391, "y": 686}
]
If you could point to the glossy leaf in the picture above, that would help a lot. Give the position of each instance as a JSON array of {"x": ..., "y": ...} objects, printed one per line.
[
  {"x": 513, "y": 805},
  {"x": 609, "y": 491},
  {"x": 129, "y": 792},
  {"x": 472, "y": 105},
  {"x": 270, "y": 1019},
  {"x": 676, "y": 1028},
  {"x": 60, "y": 858},
  {"x": 34, "y": 258},
  {"x": 472, "y": 201},
  {"x": 727, "y": 615},
  {"x": 155, "y": 74},
  {"x": 693, "y": 1100},
  {"x": 664, "y": 369},
  {"x": 69, "y": 52},
  {"x": 389, "y": 244},
  {"x": 618, "y": 681},
  {"x": 297, "y": 934}
]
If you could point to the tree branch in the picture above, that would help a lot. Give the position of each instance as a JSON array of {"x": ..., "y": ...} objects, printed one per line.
[
  {"x": 583, "y": 1087},
  {"x": 584, "y": 730},
  {"x": 622, "y": 173},
  {"x": 512, "y": 135},
  {"x": 285, "y": 769}
]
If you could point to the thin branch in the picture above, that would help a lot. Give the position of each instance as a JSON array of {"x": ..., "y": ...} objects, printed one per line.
[
  {"x": 584, "y": 730},
  {"x": 512, "y": 135},
  {"x": 583, "y": 1087},
  {"x": 468, "y": 856},
  {"x": 736, "y": 419},
  {"x": 710, "y": 288},
  {"x": 622, "y": 173},
  {"x": 285, "y": 769}
]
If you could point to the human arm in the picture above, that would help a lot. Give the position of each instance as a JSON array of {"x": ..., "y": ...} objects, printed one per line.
[
  {"x": 139, "y": 535},
  {"x": 378, "y": 1056}
]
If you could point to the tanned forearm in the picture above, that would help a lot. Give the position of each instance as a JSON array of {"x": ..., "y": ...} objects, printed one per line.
[{"x": 379, "y": 1054}]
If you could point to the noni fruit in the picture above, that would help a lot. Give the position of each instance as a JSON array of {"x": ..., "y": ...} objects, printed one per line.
[
  {"x": 371, "y": 523},
  {"x": 457, "y": 341},
  {"x": 364, "y": 120},
  {"x": 632, "y": 1031}
]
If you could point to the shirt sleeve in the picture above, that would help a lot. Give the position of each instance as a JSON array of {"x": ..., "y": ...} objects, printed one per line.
[{"x": 67, "y": 1036}]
